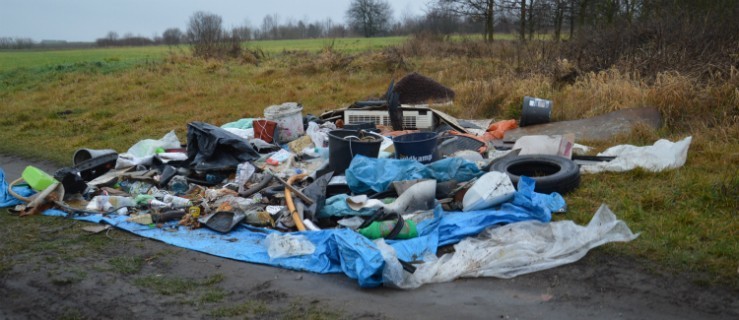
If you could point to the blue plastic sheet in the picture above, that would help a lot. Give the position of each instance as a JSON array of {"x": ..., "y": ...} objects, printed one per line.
[
  {"x": 372, "y": 174},
  {"x": 336, "y": 206},
  {"x": 337, "y": 250},
  {"x": 6, "y": 200}
]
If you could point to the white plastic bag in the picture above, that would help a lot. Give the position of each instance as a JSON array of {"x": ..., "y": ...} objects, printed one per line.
[
  {"x": 318, "y": 137},
  {"x": 511, "y": 250},
  {"x": 288, "y": 245},
  {"x": 661, "y": 156},
  {"x": 142, "y": 152},
  {"x": 148, "y": 147}
]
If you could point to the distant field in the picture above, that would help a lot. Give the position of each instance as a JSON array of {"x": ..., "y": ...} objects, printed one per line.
[{"x": 13, "y": 59}]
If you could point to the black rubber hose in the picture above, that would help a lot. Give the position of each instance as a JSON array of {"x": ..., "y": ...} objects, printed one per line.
[{"x": 254, "y": 189}]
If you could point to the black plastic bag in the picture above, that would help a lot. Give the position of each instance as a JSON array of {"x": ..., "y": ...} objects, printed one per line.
[{"x": 211, "y": 148}]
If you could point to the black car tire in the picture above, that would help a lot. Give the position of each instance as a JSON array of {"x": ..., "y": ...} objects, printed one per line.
[{"x": 551, "y": 173}]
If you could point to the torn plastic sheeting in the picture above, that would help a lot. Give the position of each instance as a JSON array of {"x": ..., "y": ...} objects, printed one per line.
[
  {"x": 213, "y": 148},
  {"x": 526, "y": 205},
  {"x": 511, "y": 250},
  {"x": 372, "y": 174},
  {"x": 336, "y": 206},
  {"x": 661, "y": 156},
  {"x": 245, "y": 123}
]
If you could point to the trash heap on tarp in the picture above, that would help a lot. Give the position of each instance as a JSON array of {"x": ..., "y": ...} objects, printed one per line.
[{"x": 372, "y": 191}]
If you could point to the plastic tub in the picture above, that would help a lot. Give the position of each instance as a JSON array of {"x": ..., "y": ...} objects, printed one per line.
[
  {"x": 535, "y": 111},
  {"x": 37, "y": 179},
  {"x": 289, "y": 118},
  {"x": 419, "y": 146},
  {"x": 343, "y": 145}
]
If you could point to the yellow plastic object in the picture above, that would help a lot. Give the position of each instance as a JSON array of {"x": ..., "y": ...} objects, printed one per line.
[{"x": 37, "y": 178}]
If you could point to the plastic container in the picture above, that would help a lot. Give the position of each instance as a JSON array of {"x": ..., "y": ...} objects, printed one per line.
[
  {"x": 37, "y": 178},
  {"x": 343, "y": 145},
  {"x": 177, "y": 202},
  {"x": 265, "y": 130},
  {"x": 535, "y": 111},
  {"x": 491, "y": 189},
  {"x": 84, "y": 154},
  {"x": 419, "y": 146},
  {"x": 381, "y": 229},
  {"x": 289, "y": 119}
]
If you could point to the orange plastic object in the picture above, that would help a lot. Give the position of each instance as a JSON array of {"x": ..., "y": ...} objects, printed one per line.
[
  {"x": 497, "y": 130},
  {"x": 291, "y": 205}
]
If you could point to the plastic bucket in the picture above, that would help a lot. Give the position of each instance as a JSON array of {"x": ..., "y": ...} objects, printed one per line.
[
  {"x": 343, "y": 145},
  {"x": 289, "y": 118},
  {"x": 264, "y": 130},
  {"x": 419, "y": 146},
  {"x": 535, "y": 111}
]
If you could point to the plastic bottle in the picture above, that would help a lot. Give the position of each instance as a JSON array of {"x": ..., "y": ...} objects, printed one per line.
[
  {"x": 177, "y": 202},
  {"x": 144, "y": 200},
  {"x": 381, "y": 229}
]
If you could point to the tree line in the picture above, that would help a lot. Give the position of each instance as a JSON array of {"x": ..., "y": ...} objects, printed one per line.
[{"x": 559, "y": 19}]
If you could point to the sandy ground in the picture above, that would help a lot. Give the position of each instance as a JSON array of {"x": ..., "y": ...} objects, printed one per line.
[{"x": 77, "y": 282}]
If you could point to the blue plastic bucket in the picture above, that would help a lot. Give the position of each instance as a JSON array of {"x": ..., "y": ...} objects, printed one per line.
[{"x": 419, "y": 146}]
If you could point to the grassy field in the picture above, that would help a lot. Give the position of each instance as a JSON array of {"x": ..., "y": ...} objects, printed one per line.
[
  {"x": 687, "y": 217},
  {"x": 12, "y": 59}
]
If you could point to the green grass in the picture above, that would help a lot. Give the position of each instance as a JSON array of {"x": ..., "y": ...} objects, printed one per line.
[
  {"x": 13, "y": 59},
  {"x": 126, "y": 56}
]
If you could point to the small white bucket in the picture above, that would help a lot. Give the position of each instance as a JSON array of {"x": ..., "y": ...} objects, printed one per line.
[{"x": 289, "y": 118}]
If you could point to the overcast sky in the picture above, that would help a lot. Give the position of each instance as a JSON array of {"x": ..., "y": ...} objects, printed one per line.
[{"x": 87, "y": 20}]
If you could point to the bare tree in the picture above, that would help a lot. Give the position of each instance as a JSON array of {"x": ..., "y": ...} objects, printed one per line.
[
  {"x": 205, "y": 33},
  {"x": 483, "y": 10},
  {"x": 172, "y": 36},
  {"x": 369, "y": 17}
]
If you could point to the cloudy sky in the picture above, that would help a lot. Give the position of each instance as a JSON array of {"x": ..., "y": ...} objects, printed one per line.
[{"x": 87, "y": 20}]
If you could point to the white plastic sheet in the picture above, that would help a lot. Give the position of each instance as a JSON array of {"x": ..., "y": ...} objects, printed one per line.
[
  {"x": 661, "y": 156},
  {"x": 510, "y": 250}
]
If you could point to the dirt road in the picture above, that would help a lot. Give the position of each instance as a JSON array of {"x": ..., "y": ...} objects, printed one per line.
[{"x": 51, "y": 268}]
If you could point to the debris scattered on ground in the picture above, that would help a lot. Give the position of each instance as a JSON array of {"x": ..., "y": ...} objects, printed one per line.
[{"x": 242, "y": 191}]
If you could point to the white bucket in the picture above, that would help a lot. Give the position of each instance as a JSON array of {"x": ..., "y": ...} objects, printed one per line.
[{"x": 289, "y": 118}]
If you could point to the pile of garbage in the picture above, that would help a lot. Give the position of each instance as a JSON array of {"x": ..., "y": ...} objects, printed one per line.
[{"x": 371, "y": 190}]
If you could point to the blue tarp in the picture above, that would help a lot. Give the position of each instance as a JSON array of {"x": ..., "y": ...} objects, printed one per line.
[
  {"x": 337, "y": 250},
  {"x": 7, "y": 200},
  {"x": 372, "y": 174}
]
